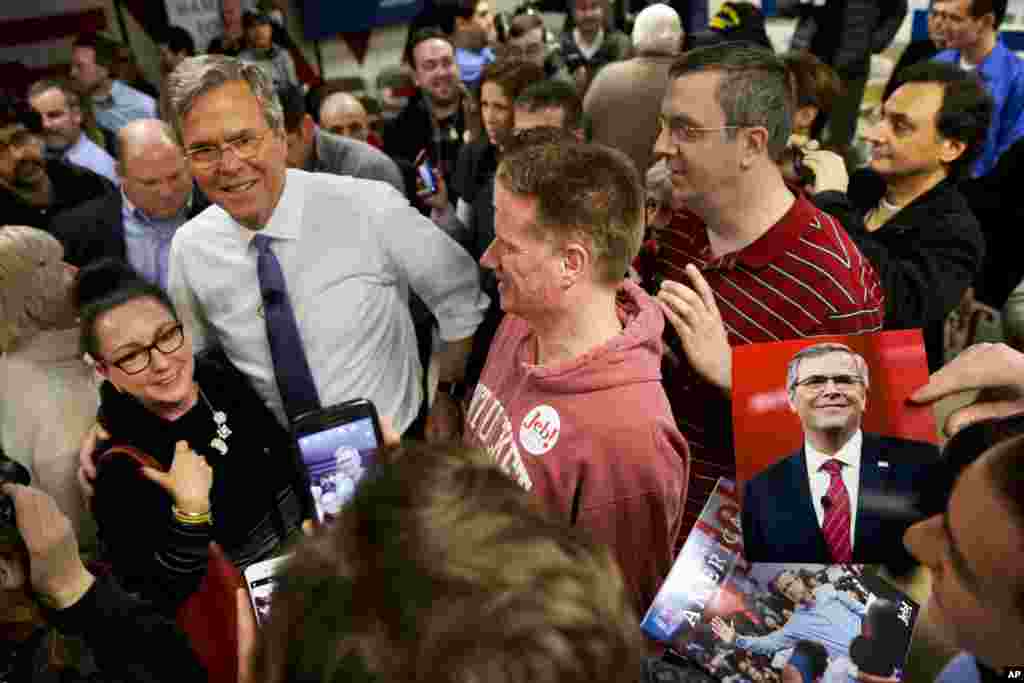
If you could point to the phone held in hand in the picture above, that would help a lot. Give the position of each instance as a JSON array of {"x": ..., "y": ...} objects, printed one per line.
[
  {"x": 427, "y": 181},
  {"x": 260, "y": 579},
  {"x": 337, "y": 446}
]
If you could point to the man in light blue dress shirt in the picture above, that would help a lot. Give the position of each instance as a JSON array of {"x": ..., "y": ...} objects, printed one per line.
[
  {"x": 136, "y": 223},
  {"x": 61, "y": 113},
  {"x": 114, "y": 103},
  {"x": 157, "y": 188},
  {"x": 826, "y": 615}
]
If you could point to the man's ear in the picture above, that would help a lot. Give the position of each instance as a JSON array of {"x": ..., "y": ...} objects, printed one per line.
[
  {"x": 755, "y": 144},
  {"x": 951, "y": 150},
  {"x": 576, "y": 261},
  {"x": 804, "y": 116}
]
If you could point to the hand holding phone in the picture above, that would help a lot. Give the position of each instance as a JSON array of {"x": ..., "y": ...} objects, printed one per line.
[
  {"x": 260, "y": 579},
  {"x": 338, "y": 445}
]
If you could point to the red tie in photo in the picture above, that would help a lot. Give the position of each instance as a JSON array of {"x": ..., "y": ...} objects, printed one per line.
[{"x": 836, "y": 524}]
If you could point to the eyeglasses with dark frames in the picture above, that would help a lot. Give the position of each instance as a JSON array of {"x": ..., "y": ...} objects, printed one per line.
[
  {"x": 818, "y": 383},
  {"x": 166, "y": 342}
]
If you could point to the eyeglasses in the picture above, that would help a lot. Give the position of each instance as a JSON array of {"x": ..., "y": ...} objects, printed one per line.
[
  {"x": 818, "y": 383},
  {"x": 166, "y": 342},
  {"x": 245, "y": 147},
  {"x": 680, "y": 132}
]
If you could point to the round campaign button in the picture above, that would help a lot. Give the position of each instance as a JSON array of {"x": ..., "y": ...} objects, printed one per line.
[{"x": 540, "y": 429}]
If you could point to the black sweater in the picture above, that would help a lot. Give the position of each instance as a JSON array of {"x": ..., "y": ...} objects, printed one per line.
[
  {"x": 926, "y": 255},
  {"x": 256, "y": 499}
]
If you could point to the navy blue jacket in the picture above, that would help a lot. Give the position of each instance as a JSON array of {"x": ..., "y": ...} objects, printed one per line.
[{"x": 779, "y": 522}]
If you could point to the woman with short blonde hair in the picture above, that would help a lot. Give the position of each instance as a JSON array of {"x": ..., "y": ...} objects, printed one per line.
[{"x": 48, "y": 397}]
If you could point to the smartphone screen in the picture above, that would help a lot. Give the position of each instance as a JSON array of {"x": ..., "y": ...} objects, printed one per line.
[
  {"x": 261, "y": 578},
  {"x": 426, "y": 177},
  {"x": 336, "y": 459}
]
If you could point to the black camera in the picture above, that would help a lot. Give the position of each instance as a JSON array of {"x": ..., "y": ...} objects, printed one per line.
[{"x": 11, "y": 472}]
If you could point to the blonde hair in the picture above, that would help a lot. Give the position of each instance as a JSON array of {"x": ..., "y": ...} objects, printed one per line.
[
  {"x": 32, "y": 283},
  {"x": 442, "y": 569},
  {"x": 582, "y": 190}
]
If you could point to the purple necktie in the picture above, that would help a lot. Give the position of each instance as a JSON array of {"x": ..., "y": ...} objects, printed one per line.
[
  {"x": 836, "y": 523},
  {"x": 291, "y": 369}
]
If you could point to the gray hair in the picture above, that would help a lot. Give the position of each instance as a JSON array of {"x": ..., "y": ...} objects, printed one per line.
[
  {"x": 196, "y": 76},
  {"x": 754, "y": 89},
  {"x": 31, "y": 282},
  {"x": 815, "y": 350},
  {"x": 658, "y": 31}
]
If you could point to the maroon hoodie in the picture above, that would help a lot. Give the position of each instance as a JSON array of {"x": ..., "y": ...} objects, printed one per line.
[{"x": 598, "y": 429}]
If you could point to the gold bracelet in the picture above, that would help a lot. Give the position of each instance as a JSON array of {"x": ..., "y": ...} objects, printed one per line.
[{"x": 192, "y": 518}]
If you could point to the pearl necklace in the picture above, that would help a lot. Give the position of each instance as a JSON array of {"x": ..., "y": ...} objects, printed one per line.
[{"x": 220, "y": 418}]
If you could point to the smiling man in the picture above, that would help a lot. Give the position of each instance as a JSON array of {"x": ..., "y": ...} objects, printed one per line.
[
  {"x": 771, "y": 266},
  {"x": 434, "y": 121},
  {"x": 303, "y": 278},
  {"x": 32, "y": 188},
  {"x": 819, "y": 504},
  {"x": 570, "y": 402},
  {"x": 824, "y": 615},
  {"x": 909, "y": 216},
  {"x": 61, "y": 111}
]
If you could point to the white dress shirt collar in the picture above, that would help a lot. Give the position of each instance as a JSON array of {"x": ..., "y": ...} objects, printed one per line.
[
  {"x": 819, "y": 480},
  {"x": 849, "y": 454},
  {"x": 286, "y": 220}
]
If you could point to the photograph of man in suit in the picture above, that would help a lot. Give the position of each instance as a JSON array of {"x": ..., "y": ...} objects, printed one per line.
[{"x": 832, "y": 501}]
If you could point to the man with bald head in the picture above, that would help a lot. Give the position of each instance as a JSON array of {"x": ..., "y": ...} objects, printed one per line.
[
  {"x": 623, "y": 102},
  {"x": 136, "y": 224},
  {"x": 342, "y": 114},
  {"x": 311, "y": 148}
]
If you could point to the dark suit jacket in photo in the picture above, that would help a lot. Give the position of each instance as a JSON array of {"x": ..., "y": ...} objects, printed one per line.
[
  {"x": 95, "y": 229},
  {"x": 779, "y": 522}
]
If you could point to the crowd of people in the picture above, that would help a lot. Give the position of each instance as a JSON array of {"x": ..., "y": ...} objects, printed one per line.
[{"x": 536, "y": 268}]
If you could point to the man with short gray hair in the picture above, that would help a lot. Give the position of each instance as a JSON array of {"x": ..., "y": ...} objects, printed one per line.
[
  {"x": 61, "y": 110},
  {"x": 303, "y": 278},
  {"x": 621, "y": 107},
  {"x": 820, "y": 504}
]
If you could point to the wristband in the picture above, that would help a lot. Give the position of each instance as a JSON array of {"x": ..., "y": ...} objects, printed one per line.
[{"x": 192, "y": 518}]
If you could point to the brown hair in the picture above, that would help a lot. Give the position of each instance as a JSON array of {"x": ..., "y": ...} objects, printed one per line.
[
  {"x": 523, "y": 24},
  {"x": 512, "y": 75},
  {"x": 1006, "y": 472},
  {"x": 754, "y": 88},
  {"x": 583, "y": 190},
  {"x": 443, "y": 569},
  {"x": 815, "y": 83}
]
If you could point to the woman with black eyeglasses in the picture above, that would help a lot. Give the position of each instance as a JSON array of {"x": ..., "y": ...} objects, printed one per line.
[{"x": 226, "y": 471}]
